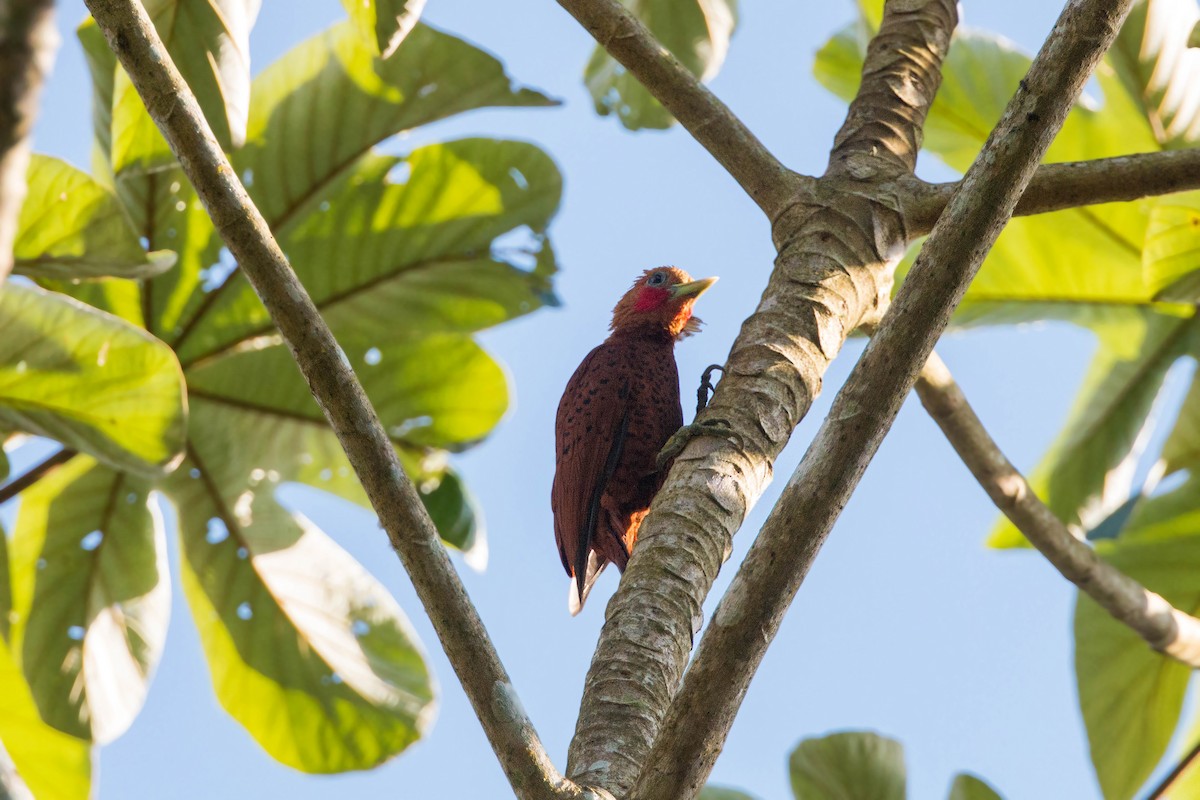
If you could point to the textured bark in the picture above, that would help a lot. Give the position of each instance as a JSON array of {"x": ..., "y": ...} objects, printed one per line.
[
  {"x": 837, "y": 249},
  {"x": 28, "y": 41},
  {"x": 749, "y": 615},
  {"x": 1068, "y": 185},
  {"x": 336, "y": 388},
  {"x": 1164, "y": 627}
]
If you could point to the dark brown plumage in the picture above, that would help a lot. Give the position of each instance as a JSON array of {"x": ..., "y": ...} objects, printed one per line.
[{"x": 618, "y": 410}]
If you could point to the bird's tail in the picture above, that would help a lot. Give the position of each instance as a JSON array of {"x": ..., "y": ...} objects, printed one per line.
[{"x": 581, "y": 585}]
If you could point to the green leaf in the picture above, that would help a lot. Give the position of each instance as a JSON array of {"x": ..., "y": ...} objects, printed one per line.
[
  {"x": 1087, "y": 473},
  {"x": 52, "y": 764},
  {"x": 346, "y": 100},
  {"x": 102, "y": 66},
  {"x": 697, "y": 32},
  {"x": 71, "y": 227},
  {"x": 435, "y": 391},
  {"x": 1181, "y": 450},
  {"x": 1130, "y": 695},
  {"x": 848, "y": 766},
  {"x": 711, "y": 792},
  {"x": 383, "y": 24},
  {"x": 1193, "y": 39},
  {"x": 89, "y": 380},
  {"x": 968, "y": 787},
  {"x": 385, "y": 259},
  {"x": 209, "y": 41},
  {"x": 439, "y": 391},
  {"x": 1172, "y": 253},
  {"x": 92, "y": 595},
  {"x": 294, "y": 629},
  {"x": 1152, "y": 60},
  {"x": 5, "y": 587}
]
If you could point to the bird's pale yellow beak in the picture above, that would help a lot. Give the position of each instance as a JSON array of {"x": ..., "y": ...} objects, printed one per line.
[{"x": 692, "y": 288}]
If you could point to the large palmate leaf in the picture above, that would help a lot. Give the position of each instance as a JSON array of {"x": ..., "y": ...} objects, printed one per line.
[
  {"x": 1130, "y": 696},
  {"x": 1161, "y": 73},
  {"x": 72, "y": 227},
  {"x": 852, "y": 764},
  {"x": 406, "y": 257},
  {"x": 697, "y": 32},
  {"x": 209, "y": 41},
  {"x": 431, "y": 392},
  {"x": 383, "y": 24},
  {"x": 91, "y": 595},
  {"x": 347, "y": 99},
  {"x": 51, "y": 764},
  {"x": 1088, "y": 471},
  {"x": 89, "y": 380},
  {"x": 383, "y": 258},
  {"x": 306, "y": 649}
]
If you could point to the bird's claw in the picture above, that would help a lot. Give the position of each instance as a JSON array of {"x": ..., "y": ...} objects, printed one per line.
[
  {"x": 714, "y": 427},
  {"x": 706, "y": 386}
]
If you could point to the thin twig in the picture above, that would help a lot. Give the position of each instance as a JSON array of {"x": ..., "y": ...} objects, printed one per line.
[
  {"x": 749, "y": 615},
  {"x": 1164, "y": 628},
  {"x": 768, "y": 182},
  {"x": 35, "y": 473},
  {"x": 28, "y": 41},
  {"x": 1167, "y": 783},
  {"x": 1069, "y": 185},
  {"x": 337, "y": 390}
]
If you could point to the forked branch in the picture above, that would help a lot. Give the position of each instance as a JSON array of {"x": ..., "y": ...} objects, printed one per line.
[
  {"x": 836, "y": 258},
  {"x": 333, "y": 383},
  {"x": 1164, "y": 627},
  {"x": 749, "y": 615}
]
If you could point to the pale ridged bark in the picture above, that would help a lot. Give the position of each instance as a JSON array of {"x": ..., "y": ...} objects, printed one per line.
[
  {"x": 749, "y": 615},
  {"x": 837, "y": 250}
]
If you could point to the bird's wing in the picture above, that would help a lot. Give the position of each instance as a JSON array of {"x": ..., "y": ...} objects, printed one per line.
[{"x": 590, "y": 433}]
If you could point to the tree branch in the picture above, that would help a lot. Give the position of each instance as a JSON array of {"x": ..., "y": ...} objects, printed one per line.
[
  {"x": 882, "y": 132},
  {"x": 837, "y": 252},
  {"x": 768, "y": 182},
  {"x": 1069, "y": 185},
  {"x": 749, "y": 615},
  {"x": 1164, "y": 628},
  {"x": 333, "y": 383},
  {"x": 28, "y": 41}
]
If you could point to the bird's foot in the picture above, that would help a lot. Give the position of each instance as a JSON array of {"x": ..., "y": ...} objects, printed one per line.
[
  {"x": 713, "y": 427},
  {"x": 706, "y": 386}
]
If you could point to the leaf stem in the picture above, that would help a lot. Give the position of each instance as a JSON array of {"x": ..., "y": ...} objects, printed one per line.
[
  {"x": 1166, "y": 784},
  {"x": 34, "y": 474}
]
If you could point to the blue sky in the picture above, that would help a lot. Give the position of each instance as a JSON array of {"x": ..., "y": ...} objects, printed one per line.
[{"x": 907, "y": 625}]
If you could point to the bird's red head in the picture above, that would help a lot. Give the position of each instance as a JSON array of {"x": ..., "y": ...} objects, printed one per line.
[{"x": 659, "y": 301}]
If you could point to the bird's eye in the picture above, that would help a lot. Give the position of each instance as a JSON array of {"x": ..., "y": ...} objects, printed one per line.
[{"x": 658, "y": 279}]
